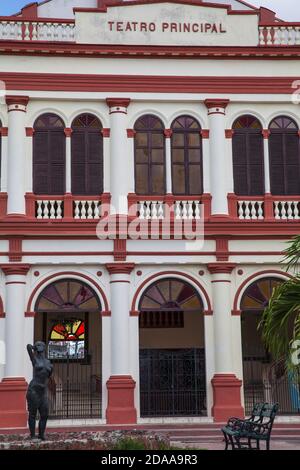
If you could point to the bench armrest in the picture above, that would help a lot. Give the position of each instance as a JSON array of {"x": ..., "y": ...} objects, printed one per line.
[{"x": 260, "y": 429}]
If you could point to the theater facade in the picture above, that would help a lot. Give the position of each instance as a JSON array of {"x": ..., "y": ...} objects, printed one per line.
[{"x": 150, "y": 180}]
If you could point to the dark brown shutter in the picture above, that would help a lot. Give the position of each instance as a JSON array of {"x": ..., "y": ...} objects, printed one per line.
[
  {"x": 292, "y": 164},
  {"x": 78, "y": 163},
  {"x": 40, "y": 163},
  {"x": 256, "y": 175},
  {"x": 239, "y": 155},
  {"x": 94, "y": 163},
  {"x": 248, "y": 162},
  {"x": 276, "y": 164},
  {"x": 57, "y": 157}
]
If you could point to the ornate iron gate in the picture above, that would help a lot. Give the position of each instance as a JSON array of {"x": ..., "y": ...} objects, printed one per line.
[
  {"x": 75, "y": 387},
  {"x": 172, "y": 382}
]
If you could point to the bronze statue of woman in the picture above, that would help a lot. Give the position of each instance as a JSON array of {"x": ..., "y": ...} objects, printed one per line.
[{"x": 37, "y": 396}]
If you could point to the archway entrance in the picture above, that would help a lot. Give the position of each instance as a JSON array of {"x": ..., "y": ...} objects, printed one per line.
[
  {"x": 265, "y": 379},
  {"x": 172, "y": 351},
  {"x": 68, "y": 320}
]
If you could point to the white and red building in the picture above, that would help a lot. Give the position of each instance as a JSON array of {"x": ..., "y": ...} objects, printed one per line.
[{"x": 145, "y": 112}]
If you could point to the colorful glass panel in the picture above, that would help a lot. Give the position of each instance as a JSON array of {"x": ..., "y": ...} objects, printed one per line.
[
  {"x": 258, "y": 294},
  {"x": 170, "y": 294},
  {"x": 73, "y": 330}
]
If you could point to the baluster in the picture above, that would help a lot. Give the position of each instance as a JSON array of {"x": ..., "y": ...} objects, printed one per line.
[
  {"x": 276, "y": 36},
  {"x": 27, "y": 32},
  {"x": 260, "y": 211},
  {"x": 262, "y": 36},
  {"x": 154, "y": 210},
  {"x": 46, "y": 210},
  {"x": 148, "y": 209},
  {"x": 97, "y": 210},
  {"x": 4, "y": 30},
  {"x": 55, "y": 31},
  {"x": 64, "y": 32},
  {"x": 197, "y": 210},
  {"x": 297, "y": 36},
  {"x": 247, "y": 210},
  {"x": 290, "y": 214},
  {"x": 283, "y": 36},
  {"x": 291, "y": 36},
  {"x": 296, "y": 210},
  {"x": 39, "y": 212},
  {"x": 177, "y": 210},
  {"x": 83, "y": 210},
  {"x": 276, "y": 210},
  {"x": 19, "y": 31},
  {"x": 77, "y": 210},
  {"x": 190, "y": 210},
  {"x": 160, "y": 210},
  {"x": 269, "y": 36},
  {"x": 52, "y": 210},
  {"x": 184, "y": 210},
  {"x": 241, "y": 210},
  {"x": 71, "y": 30},
  {"x": 90, "y": 210},
  {"x": 59, "y": 210},
  {"x": 142, "y": 210},
  {"x": 34, "y": 31},
  {"x": 283, "y": 211},
  {"x": 253, "y": 210}
]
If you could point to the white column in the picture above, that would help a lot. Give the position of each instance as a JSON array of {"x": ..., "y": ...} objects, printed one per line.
[
  {"x": 119, "y": 173},
  {"x": 218, "y": 161},
  {"x": 106, "y": 160},
  {"x": 221, "y": 280},
  {"x": 168, "y": 136},
  {"x": 206, "y": 163},
  {"x": 4, "y": 138},
  {"x": 119, "y": 294},
  {"x": 229, "y": 161},
  {"x": 15, "y": 280},
  {"x": 266, "y": 134},
  {"x": 17, "y": 106},
  {"x": 68, "y": 134}
]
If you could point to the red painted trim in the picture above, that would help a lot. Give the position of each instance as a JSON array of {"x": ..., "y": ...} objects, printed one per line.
[
  {"x": 236, "y": 313},
  {"x": 4, "y": 131},
  {"x": 222, "y": 249},
  {"x": 118, "y": 102},
  {"x": 67, "y": 274},
  {"x": 221, "y": 280},
  {"x": 30, "y": 314},
  {"x": 29, "y": 131},
  {"x": 221, "y": 268},
  {"x": 38, "y": 20},
  {"x": 216, "y": 103},
  {"x": 68, "y": 131},
  {"x": 120, "y": 268},
  {"x": 229, "y": 133},
  {"x": 131, "y": 133},
  {"x": 120, "y": 249},
  {"x": 168, "y": 133},
  {"x": 106, "y": 313},
  {"x": 105, "y": 132},
  {"x": 256, "y": 275},
  {"x": 14, "y": 99},
  {"x": 15, "y": 282},
  {"x": 111, "y": 4},
  {"x": 15, "y": 269},
  {"x": 15, "y": 249},
  {"x": 266, "y": 133},
  {"x": 171, "y": 273},
  {"x": 160, "y": 52},
  {"x": 134, "y": 313},
  {"x": 208, "y": 313},
  {"x": 120, "y": 281},
  {"x": 204, "y": 133},
  {"x": 2, "y": 313},
  {"x": 147, "y": 83}
]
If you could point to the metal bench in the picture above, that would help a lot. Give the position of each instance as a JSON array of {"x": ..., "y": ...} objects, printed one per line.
[{"x": 240, "y": 433}]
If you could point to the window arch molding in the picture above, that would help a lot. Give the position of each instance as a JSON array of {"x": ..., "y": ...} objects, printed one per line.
[
  {"x": 144, "y": 112},
  {"x": 284, "y": 154},
  {"x": 247, "y": 112},
  {"x": 248, "y": 156},
  {"x": 32, "y": 118},
  {"x": 86, "y": 155},
  {"x": 95, "y": 112},
  {"x": 186, "y": 156},
  {"x": 49, "y": 155},
  {"x": 188, "y": 112},
  {"x": 149, "y": 155}
]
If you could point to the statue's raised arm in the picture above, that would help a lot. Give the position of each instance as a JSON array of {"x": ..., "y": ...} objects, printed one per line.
[{"x": 30, "y": 350}]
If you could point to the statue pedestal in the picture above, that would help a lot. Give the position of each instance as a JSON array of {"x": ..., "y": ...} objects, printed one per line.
[{"x": 13, "y": 412}]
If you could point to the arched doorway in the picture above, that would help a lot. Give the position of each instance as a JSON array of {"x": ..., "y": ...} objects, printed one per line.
[
  {"x": 172, "y": 350},
  {"x": 265, "y": 379},
  {"x": 68, "y": 320}
]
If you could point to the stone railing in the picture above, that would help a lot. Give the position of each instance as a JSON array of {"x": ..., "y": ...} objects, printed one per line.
[
  {"x": 250, "y": 210},
  {"x": 287, "y": 210},
  {"x": 164, "y": 207},
  {"x": 264, "y": 208},
  {"x": 14, "y": 29},
  {"x": 279, "y": 34}
]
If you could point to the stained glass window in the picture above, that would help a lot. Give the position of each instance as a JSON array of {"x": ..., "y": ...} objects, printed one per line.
[
  {"x": 68, "y": 295},
  {"x": 67, "y": 339},
  {"x": 164, "y": 302},
  {"x": 258, "y": 294}
]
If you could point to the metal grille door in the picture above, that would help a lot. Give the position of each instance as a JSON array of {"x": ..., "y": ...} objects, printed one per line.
[{"x": 172, "y": 382}]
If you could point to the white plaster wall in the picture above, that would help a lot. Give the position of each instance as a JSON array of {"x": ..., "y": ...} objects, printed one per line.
[{"x": 63, "y": 8}]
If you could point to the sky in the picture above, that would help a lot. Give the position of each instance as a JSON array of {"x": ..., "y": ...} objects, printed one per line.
[{"x": 286, "y": 9}]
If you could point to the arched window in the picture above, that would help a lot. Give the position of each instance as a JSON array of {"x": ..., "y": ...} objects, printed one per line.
[
  {"x": 87, "y": 155},
  {"x": 186, "y": 156},
  {"x": 248, "y": 157},
  {"x": 163, "y": 304},
  {"x": 149, "y": 153},
  {"x": 49, "y": 155},
  {"x": 284, "y": 156}
]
